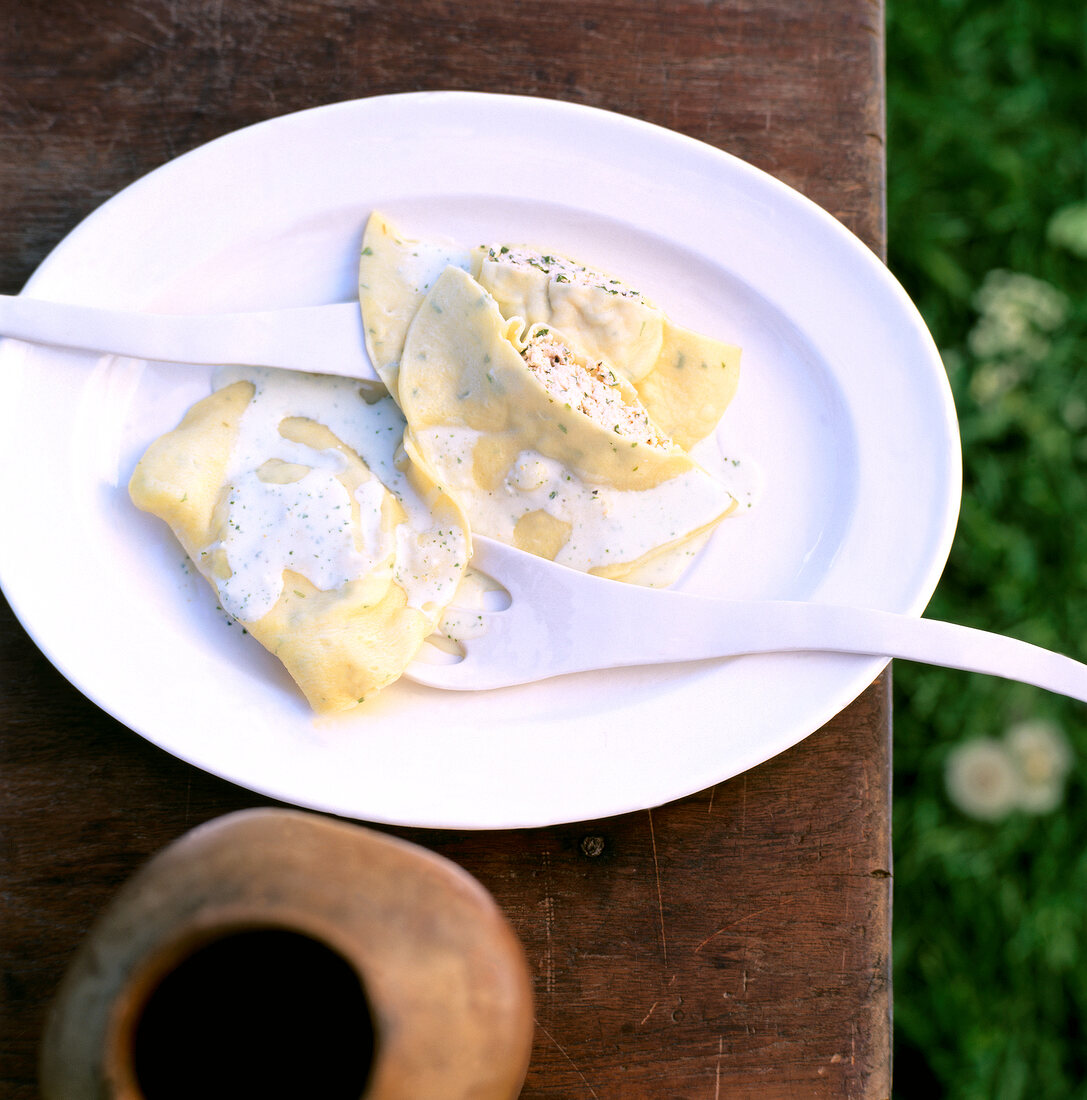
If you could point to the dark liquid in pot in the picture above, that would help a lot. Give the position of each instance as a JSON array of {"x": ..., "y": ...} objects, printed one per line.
[{"x": 263, "y": 1012}]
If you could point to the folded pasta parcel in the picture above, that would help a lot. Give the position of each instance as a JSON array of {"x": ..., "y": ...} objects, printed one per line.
[
  {"x": 544, "y": 447},
  {"x": 395, "y": 273},
  {"x": 684, "y": 379},
  {"x": 293, "y": 497}
]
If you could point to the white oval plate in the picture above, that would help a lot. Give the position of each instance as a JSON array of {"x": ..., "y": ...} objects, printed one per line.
[{"x": 843, "y": 403}]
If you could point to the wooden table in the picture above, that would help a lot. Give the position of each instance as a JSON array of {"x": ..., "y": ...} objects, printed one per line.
[{"x": 733, "y": 944}]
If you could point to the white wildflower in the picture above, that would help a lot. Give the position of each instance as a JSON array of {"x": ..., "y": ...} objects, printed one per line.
[
  {"x": 1043, "y": 758},
  {"x": 1025, "y": 770},
  {"x": 982, "y": 779},
  {"x": 1017, "y": 314},
  {"x": 992, "y": 380}
]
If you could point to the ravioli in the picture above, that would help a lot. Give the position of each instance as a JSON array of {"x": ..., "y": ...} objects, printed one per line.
[
  {"x": 684, "y": 379},
  {"x": 571, "y": 467},
  {"x": 292, "y": 496}
]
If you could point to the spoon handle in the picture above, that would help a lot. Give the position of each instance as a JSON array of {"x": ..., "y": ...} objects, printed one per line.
[
  {"x": 777, "y": 627},
  {"x": 325, "y": 339},
  {"x": 561, "y": 621}
]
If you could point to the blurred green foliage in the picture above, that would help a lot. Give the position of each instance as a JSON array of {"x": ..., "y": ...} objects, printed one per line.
[{"x": 987, "y": 166}]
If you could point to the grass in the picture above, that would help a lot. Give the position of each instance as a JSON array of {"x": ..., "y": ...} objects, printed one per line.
[{"x": 987, "y": 166}]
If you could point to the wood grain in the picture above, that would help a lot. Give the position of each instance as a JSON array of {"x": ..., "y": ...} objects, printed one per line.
[{"x": 734, "y": 943}]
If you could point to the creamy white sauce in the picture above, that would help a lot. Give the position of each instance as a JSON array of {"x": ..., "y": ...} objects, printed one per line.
[
  {"x": 476, "y": 595},
  {"x": 465, "y": 618},
  {"x": 528, "y": 473},
  {"x": 744, "y": 479},
  {"x": 460, "y": 624},
  {"x": 428, "y": 564},
  {"x": 305, "y": 526},
  {"x": 301, "y": 525},
  {"x": 739, "y": 472},
  {"x": 608, "y": 526}
]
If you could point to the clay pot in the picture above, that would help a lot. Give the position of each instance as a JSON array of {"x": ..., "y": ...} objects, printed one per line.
[{"x": 279, "y": 953}]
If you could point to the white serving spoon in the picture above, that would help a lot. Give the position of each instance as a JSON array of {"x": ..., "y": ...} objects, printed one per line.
[
  {"x": 559, "y": 621},
  {"x": 325, "y": 339}
]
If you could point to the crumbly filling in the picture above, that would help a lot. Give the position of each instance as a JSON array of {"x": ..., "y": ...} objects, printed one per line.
[
  {"x": 561, "y": 269},
  {"x": 590, "y": 387}
]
